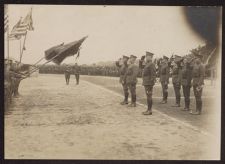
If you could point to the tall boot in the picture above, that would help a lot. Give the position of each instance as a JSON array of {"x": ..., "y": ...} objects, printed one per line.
[
  {"x": 125, "y": 99},
  {"x": 185, "y": 107},
  {"x": 200, "y": 107}
]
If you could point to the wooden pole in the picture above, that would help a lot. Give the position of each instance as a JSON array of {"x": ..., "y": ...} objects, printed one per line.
[
  {"x": 21, "y": 55},
  {"x": 20, "y": 51}
]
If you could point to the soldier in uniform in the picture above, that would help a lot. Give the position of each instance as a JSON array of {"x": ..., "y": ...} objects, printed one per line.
[
  {"x": 16, "y": 78},
  {"x": 186, "y": 76},
  {"x": 164, "y": 78},
  {"x": 131, "y": 79},
  {"x": 77, "y": 73},
  {"x": 176, "y": 78},
  {"x": 198, "y": 73},
  {"x": 67, "y": 74},
  {"x": 122, "y": 71},
  {"x": 149, "y": 78}
]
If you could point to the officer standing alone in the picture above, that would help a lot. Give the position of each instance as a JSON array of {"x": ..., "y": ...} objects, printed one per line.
[
  {"x": 131, "y": 79},
  {"x": 149, "y": 78},
  {"x": 122, "y": 71},
  {"x": 164, "y": 78}
]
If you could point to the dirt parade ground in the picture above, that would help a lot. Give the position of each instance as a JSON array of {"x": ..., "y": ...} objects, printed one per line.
[{"x": 52, "y": 120}]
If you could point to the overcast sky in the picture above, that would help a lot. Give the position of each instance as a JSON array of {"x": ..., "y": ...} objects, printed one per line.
[{"x": 113, "y": 31}]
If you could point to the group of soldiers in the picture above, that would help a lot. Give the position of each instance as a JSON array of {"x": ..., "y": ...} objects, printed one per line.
[
  {"x": 13, "y": 76},
  {"x": 186, "y": 71},
  {"x": 75, "y": 70}
]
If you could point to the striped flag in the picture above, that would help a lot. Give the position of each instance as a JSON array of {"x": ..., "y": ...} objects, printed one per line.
[
  {"x": 22, "y": 26},
  {"x": 28, "y": 21},
  {"x": 6, "y": 18},
  {"x": 18, "y": 31}
]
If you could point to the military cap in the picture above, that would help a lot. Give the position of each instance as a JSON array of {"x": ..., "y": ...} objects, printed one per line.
[
  {"x": 177, "y": 58},
  {"x": 132, "y": 56},
  {"x": 125, "y": 57},
  {"x": 165, "y": 57},
  {"x": 149, "y": 53}
]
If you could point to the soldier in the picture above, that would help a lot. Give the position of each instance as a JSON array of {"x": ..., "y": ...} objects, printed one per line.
[
  {"x": 77, "y": 73},
  {"x": 164, "y": 78},
  {"x": 186, "y": 76},
  {"x": 16, "y": 78},
  {"x": 131, "y": 79},
  {"x": 149, "y": 78},
  {"x": 122, "y": 72},
  {"x": 198, "y": 73},
  {"x": 176, "y": 78},
  {"x": 67, "y": 74}
]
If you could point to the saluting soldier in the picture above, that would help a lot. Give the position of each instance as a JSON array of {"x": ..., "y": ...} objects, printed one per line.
[
  {"x": 198, "y": 73},
  {"x": 77, "y": 73},
  {"x": 186, "y": 77},
  {"x": 131, "y": 79},
  {"x": 67, "y": 74},
  {"x": 149, "y": 78},
  {"x": 122, "y": 71},
  {"x": 176, "y": 78},
  {"x": 164, "y": 78}
]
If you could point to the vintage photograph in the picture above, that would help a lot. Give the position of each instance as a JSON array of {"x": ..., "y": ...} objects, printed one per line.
[{"x": 112, "y": 82}]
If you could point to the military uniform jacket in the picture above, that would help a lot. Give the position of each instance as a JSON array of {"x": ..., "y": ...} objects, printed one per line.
[
  {"x": 198, "y": 73},
  {"x": 76, "y": 69},
  {"x": 131, "y": 74},
  {"x": 186, "y": 75},
  {"x": 149, "y": 74},
  {"x": 164, "y": 73},
  {"x": 176, "y": 75},
  {"x": 122, "y": 72}
]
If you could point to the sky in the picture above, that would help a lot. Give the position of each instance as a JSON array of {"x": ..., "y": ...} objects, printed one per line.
[{"x": 112, "y": 31}]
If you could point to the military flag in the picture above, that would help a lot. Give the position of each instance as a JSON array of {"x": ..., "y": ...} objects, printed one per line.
[
  {"x": 22, "y": 26},
  {"x": 28, "y": 22},
  {"x": 58, "y": 53},
  {"x": 18, "y": 31}
]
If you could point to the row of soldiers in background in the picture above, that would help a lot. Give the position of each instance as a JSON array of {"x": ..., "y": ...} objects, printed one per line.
[
  {"x": 186, "y": 72},
  {"x": 13, "y": 75},
  {"x": 72, "y": 70},
  {"x": 84, "y": 70}
]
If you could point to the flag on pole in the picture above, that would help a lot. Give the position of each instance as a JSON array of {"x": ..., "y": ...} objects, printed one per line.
[
  {"x": 58, "y": 53},
  {"x": 6, "y": 18},
  {"x": 18, "y": 31},
  {"x": 22, "y": 26},
  {"x": 28, "y": 21}
]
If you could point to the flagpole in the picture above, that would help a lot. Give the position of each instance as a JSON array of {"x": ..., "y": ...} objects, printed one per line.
[
  {"x": 21, "y": 55},
  {"x": 8, "y": 43},
  {"x": 20, "y": 50},
  {"x": 7, "y": 36}
]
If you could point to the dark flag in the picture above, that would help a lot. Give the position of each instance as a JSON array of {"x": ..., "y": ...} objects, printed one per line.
[{"x": 58, "y": 53}]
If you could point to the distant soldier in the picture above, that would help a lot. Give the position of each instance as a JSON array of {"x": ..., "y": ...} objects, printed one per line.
[
  {"x": 122, "y": 71},
  {"x": 176, "y": 78},
  {"x": 149, "y": 78},
  {"x": 164, "y": 78},
  {"x": 186, "y": 76},
  {"x": 131, "y": 79},
  {"x": 67, "y": 74},
  {"x": 198, "y": 73},
  {"x": 16, "y": 78},
  {"x": 77, "y": 73}
]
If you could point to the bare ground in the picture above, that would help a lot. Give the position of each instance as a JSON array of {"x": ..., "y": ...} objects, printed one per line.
[{"x": 51, "y": 120}]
